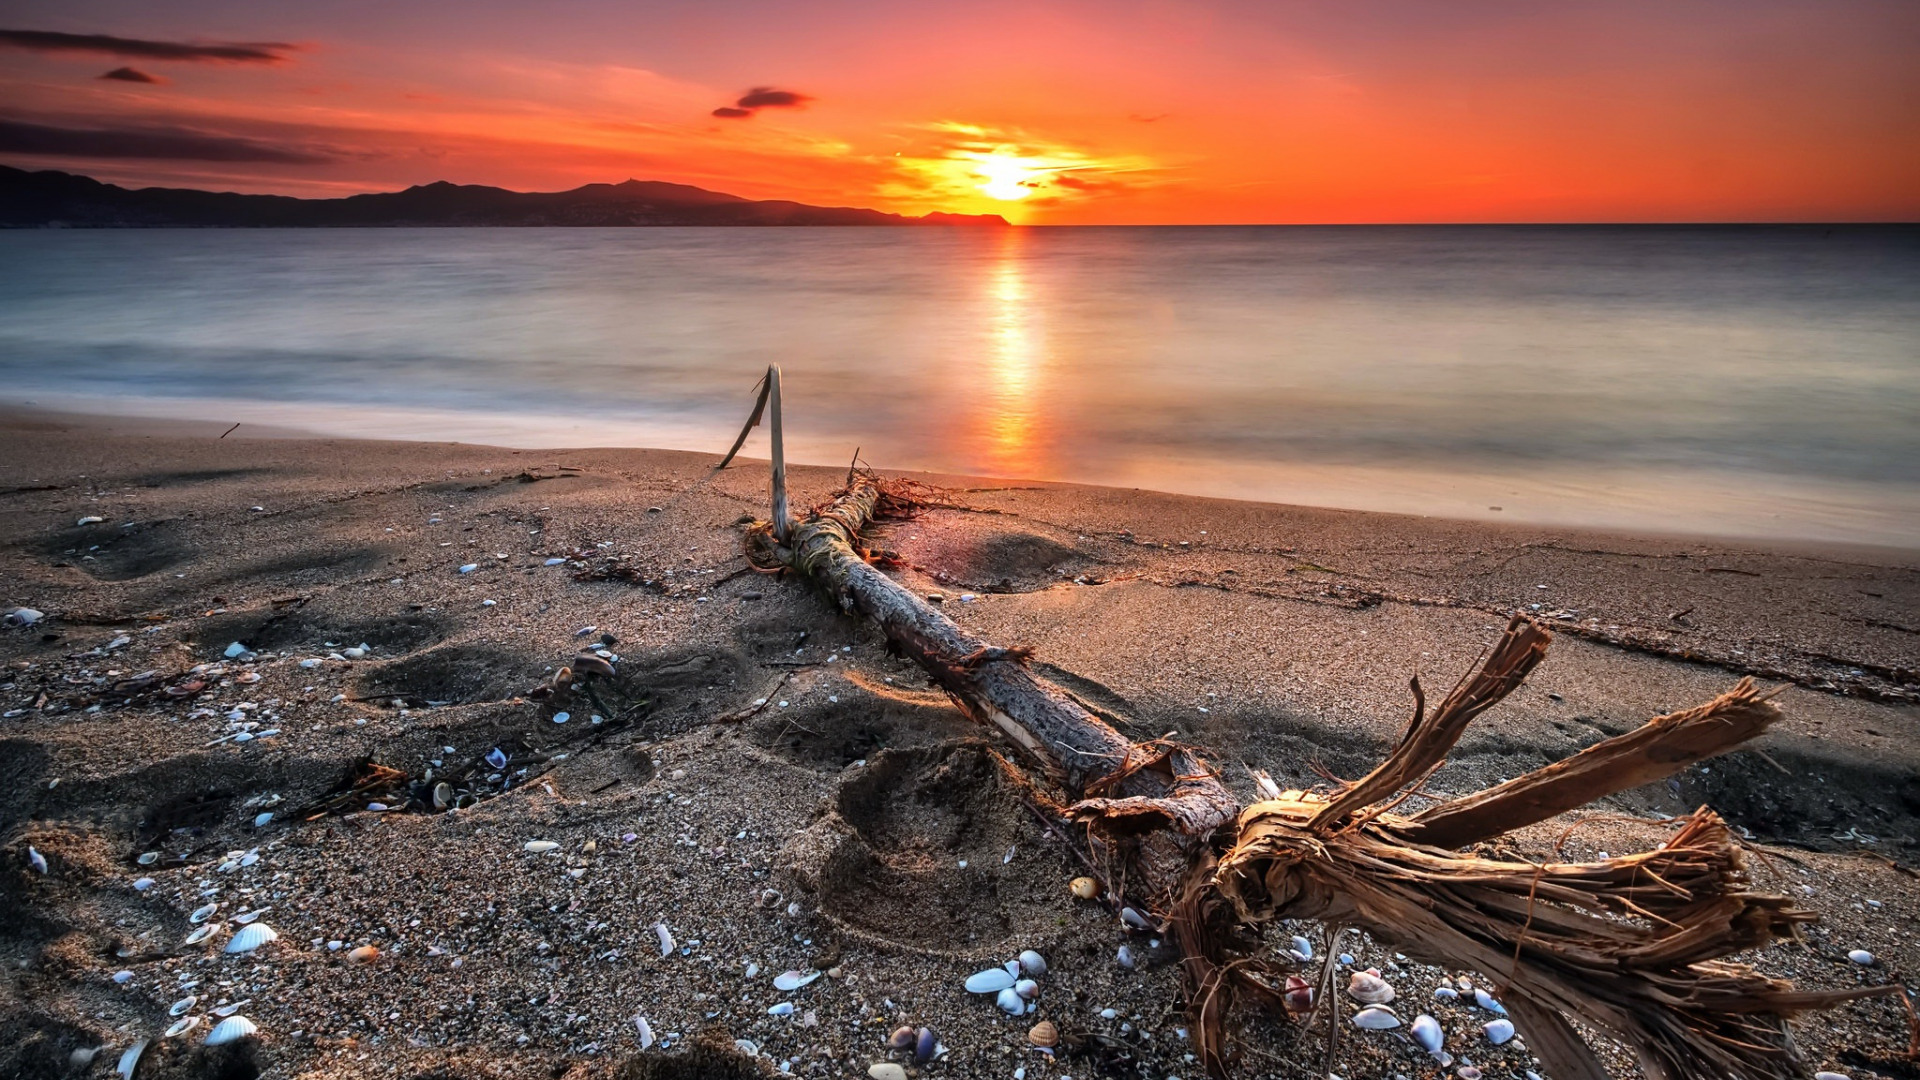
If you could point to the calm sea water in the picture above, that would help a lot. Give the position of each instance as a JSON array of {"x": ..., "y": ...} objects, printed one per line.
[{"x": 1732, "y": 381}]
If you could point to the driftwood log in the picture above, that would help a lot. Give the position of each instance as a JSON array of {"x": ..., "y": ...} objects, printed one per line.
[{"x": 1633, "y": 944}]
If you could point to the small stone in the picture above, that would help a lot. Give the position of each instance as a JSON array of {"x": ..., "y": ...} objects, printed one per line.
[{"x": 886, "y": 1070}]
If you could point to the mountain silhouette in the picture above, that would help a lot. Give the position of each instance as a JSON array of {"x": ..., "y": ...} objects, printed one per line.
[{"x": 43, "y": 199}]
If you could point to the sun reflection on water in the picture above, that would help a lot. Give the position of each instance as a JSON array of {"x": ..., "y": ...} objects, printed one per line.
[{"x": 1008, "y": 430}]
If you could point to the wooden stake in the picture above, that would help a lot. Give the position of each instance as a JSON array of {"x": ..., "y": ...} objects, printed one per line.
[{"x": 781, "y": 521}]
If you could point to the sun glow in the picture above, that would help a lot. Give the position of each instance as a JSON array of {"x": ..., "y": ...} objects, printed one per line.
[{"x": 1007, "y": 176}]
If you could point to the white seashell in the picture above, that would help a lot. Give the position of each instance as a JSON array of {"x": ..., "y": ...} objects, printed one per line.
[
  {"x": 130, "y": 1060},
  {"x": 469, "y": 568},
  {"x": 235, "y": 649},
  {"x": 1485, "y": 1001},
  {"x": 1134, "y": 919},
  {"x": 1426, "y": 1031},
  {"x": 148, "y": 858},
  {"x": 90, "y": 519},
  {"x": 1369, "y": 987},
  {"x": 666, "y": 938},
  {"x": 181, "y": 1027},
  {"x": 1831, "y": 1076},
  {"x": 232, "y": 1029},
  {"x": 203, "y": 933},
  {"x": 123, "y": 977},
  {"x": 229, "y": 1010},
  {"x": 261, "y": 821},
  {"x": 645, "y": 1030},
  {"x": 1010, "y": 1001},
  {"x": 36, "y": 860},
  {"x": 990, "y": 981},
  {"x": 442, "y": 795},
  {"x": 1446, "y": 993},
  {"x": 793, "y": 980},
  {"x": 1301, "y": 949},
  {"x": 203, "y": 914},
  {"x": 246, "y": 917},
  {"x": 561, "y": 717},
  {"x": 143, "y": 884},
  {"x": 1027, "y": 989},
  {"x": 1499, "y": 1031},
  {"x": 251, "y": 937},
  {"x": 24, "y": 616},
  {"x": 785, "y": 1008},
  {"x": 1376, "y": 1018},
  {"x": 185, "y": 1004},
  {"x": 1013, "y": 968},
  {"x": 1033, "y": 963},
  {"x": 1124, "y": 957},
  {"x": 541, "y": 847},
  {"x": 1861, "y": 957},
  {"x": 497, "y": 758}
]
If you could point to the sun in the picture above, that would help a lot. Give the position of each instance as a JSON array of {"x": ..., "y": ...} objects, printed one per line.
[{"x": 1007, "y": 177}]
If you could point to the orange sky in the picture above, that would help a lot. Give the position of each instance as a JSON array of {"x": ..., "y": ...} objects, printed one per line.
[{"x": 1116, "y": 112}]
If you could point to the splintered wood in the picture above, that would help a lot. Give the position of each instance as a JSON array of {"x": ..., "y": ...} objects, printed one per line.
[{"x": 1634, "y": 944}]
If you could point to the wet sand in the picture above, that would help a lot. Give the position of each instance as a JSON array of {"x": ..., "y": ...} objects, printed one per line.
[{"x": 771, "y": 786}]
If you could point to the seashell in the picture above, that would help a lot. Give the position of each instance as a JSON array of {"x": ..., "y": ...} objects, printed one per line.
[
  {"x": 589, "y": 664},
  {"x": 1044, "y": 1034},
  {"x": 1369, "y": 987},
  {"x": 442, "y": 795},
  {"x": 1831, "y": 1076},
  {"x": 901, "y": 1039},
  {"x": 1485, "y": 1001},
  {"x": 229, "y": 1010},
  {"x": 1010, "y": 1001},
  {"x": 1124, "y": 957},
  {"x": 562, "y": 717},
  {"x": 886, "y": 1070},
  {"x": 1027, "y": 989},
  {"x": 1300, "y": 949},
  {"x": 1376, "y": 1018},
  {"x": 1085, "y": 888},
  {"x": 497, "y": 758},
  {"x": 251, "y": 937},
  {"x": 793, "y": 980},
  {"x": 142, "y": 884},
  {"x": 203, "y": 914},
  {"x": 90, "y": 519},
  {"x": 261, "y": 821},
  {"x": 1446, "y": 993},
  {"x": 1468, "y": 1072},
  {"x": 184, "y": 1005},
  {"x": 785, "y": 1008},
  {"x": 1134, "y": 919},
  {"x": 1426, "y": 1031},
  {"x": 990, "y": 981},
  {"x": 665, "y": 935},
  {"x": 925, "y": 1045},
  {"x": 645, "y": 1031},
  {"x": 1298, "y": 995},
  {"x": 181, "y": 1027},
  {"x": 203, "y": 933},
  {"x": 1033, "y": 963},
  {"x": 35, "y": 859},
  {"x": 365, "y": 954},
  {"x": 1499, "y": 1031},
  {"x": 24, "y": 616},
  {"x": 130, "y": 1060},
  {"x": 148, "y": 858},
  {"x": 232, "y": 1029},
  {"x": 1013, "y": 968},
  {"x": 541, "y": 847},
  {"x": 1858, "y": 956},
  {"x": 123, "y": 977}
]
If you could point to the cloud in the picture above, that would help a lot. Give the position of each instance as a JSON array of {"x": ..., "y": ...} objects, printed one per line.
[
  {"x": 127, "y": 74},
  {"x": 162, "y": 144},
  {"x": 766, "y": 97},
  {"x": 761, "y": 97},
  {"x": 238, "y": 52}
]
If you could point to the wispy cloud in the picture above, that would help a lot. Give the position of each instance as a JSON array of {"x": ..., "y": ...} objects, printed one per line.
[
  {"x": 761, "y": 97},
  {"x": 134, "y": 75},
  {"x": 163, "y": 144},
  {"x": 233, "y": 52}
]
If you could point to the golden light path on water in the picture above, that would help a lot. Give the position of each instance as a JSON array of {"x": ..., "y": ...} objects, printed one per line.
[{"x": 1009, "y": 430}]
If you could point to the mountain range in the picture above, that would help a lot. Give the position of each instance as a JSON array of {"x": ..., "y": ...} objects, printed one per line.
[{"x": 55, "y": 199}]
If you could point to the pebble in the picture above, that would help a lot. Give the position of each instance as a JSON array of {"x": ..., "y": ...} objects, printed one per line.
[
  {"x": 1499, "y": 1031},
  {"x": 886, "y": 1070},
  {"x": 1861, "y": 957},
  {"x": 1085, "y": 888}
]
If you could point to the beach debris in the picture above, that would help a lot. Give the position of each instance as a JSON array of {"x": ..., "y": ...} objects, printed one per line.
[
  {"x": 644, "y": 1030},
  {"x": 1376, "y": 1018},
  {"x": 1300, "y": 949},
  {"x": 1044, "y": 1034},
  {"x": 231, "y": 1030},
  {"x": 541, "y": 847},
  {"x": 23, "y": 616},
  {"x": 1032, "y": 962},
  {"x": 886, "y": 1070},
  {"x": 202, "y": 914},
  {"x": 1011, "y": 1002},
  {"x": 1134, "y": 919},
  {"x": 364, "y": 954},
  {"x": 1427, "y": 1032},
  {"x": 183, "y": 1006},
  {"x": 90, "y": 519},
  {"x": 39, "y": 861},
  {"x": 1370, "y": 988},
  {"x": 1298, "y": 995},
  {"x": 665, "y": 937},
  {"x": 925, "y": 1045},
  {"x": 180, "y": 1027},
  {"x": 203, "y": 933},
  {"x": 1084, "y": 888},
  {"x": 469, "y": 568},
  {"x": 1486, "y": 1001},
  {"x": 901, "y": 1039},
  {"x": 793, "y": 980},
  {"x": 990, "y": 981},
  {"x": 251, "y": 937},
  {"x": 1499, "y": 1031},
  {"x": 235, "y": 651},
  {"x": 1858, "y": 956},
  {"x": 130, "y": 1059}
]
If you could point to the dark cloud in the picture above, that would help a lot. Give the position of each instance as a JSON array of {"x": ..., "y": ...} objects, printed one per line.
[
  {"x": 728, "y": 112},
  {"x": 127, "y": 74},
  {"x": 238, "y": 52},
  {"x": 766, "y": 97},
  {"x": 163, "y": 144}
]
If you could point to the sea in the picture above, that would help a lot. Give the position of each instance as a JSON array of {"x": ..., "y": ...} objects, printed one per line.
[{"x": 1733, "y": 382}]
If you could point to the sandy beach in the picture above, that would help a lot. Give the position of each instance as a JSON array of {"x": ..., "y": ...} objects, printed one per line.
[{"x": 766, "y": 783}]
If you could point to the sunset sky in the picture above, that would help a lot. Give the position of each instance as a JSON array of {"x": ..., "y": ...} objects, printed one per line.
[{"x": 1122, "y": 112}]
